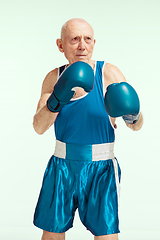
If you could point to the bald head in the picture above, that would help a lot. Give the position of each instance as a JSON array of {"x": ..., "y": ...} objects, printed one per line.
[
  {"x": 77, "y": 41},
  {"x": 74, "y": 22}
]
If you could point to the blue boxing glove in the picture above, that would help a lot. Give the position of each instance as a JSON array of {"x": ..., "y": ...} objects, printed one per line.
[
  {"x": 122, "y": 100},
  {"x": 79, "y": 74}
]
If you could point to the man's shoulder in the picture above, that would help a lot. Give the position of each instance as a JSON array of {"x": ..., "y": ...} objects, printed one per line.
[
  {"x": 49, "y": 81},
  {"x": 55, "y": 72},
  {"x": 109, "y": 66},
  {"x": 52, "y": 73},
  {"x": 110, "y": 69},
  {"x": 112, "y": 74}
]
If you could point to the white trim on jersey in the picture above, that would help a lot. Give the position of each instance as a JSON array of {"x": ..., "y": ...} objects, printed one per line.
[{"x": 104, "y": 90}]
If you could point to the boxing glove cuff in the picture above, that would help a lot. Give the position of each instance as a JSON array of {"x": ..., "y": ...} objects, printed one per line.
[
  {"x": 53, "y": 104},
  {"x": 131, "y": 119}
]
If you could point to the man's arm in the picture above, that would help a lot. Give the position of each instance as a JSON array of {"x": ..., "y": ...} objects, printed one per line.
[
  {"x": 113, "y": 75},
  {"x": 44, "y": 118},
  {"x": 57, "y": 93}
]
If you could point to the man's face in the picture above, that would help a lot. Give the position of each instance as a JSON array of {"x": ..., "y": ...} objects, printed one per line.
[{"x": 77, "y": 42}]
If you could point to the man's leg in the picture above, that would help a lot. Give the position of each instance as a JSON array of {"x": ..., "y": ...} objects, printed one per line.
[
  {"x": 107, "y": 237},
  {"x": 53, "y": 236}
]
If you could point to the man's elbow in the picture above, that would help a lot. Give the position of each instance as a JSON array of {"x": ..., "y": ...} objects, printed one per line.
[
  {"x": 139, "y": 123},
  {"x": 37, "y": 126}
]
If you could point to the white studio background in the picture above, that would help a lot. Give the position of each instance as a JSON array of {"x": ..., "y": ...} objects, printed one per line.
[{"x": 127, "y": 35}]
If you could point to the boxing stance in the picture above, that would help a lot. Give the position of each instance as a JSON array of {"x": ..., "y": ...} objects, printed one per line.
[
  {"x": 82, "y": 99},
  {"x": 121, "y": 100}
]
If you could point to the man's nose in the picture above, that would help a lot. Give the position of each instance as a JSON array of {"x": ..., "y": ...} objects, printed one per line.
[{"x": 81, "y": 45}]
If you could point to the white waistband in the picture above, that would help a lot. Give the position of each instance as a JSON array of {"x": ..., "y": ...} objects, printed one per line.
[{"x": 94, "y": 152}]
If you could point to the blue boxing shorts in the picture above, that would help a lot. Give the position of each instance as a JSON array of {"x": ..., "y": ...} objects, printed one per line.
[{"x": 83, "y": 177}]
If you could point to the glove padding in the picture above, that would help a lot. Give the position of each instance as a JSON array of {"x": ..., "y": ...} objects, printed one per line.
[{"x": 121, "y": 100}]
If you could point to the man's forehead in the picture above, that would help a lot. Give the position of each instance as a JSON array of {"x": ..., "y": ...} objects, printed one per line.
[
  {"x": 76, "y": 27},
  {"x": 78, "y": 32}
]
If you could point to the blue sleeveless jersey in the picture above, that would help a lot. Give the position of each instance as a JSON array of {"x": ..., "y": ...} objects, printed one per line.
[{"x": 84, "y": 120}]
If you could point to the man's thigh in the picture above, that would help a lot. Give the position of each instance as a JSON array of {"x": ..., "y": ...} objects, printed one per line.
[
  {"x": 53, "y": 236},
  {"x": 107, "y": 237}
]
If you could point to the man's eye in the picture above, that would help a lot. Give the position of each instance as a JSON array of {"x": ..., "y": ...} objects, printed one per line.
[
  {"x": 88, "y": 39},
  {"x": 75, "y": 39}
]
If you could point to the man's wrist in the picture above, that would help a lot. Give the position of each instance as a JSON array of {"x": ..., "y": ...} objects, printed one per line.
[{"x": 131, "y": 119}]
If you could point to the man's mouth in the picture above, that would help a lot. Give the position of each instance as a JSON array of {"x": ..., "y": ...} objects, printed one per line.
[{"x": 80, "y": 55}]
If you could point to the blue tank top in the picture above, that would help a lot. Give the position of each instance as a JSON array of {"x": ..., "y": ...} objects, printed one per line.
[{"x": 84, "y": 120}]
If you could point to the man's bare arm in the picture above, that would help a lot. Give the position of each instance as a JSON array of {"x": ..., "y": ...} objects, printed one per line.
[
  {"x": 44, "y": 118},
  {"x": 113, "y": 75}
]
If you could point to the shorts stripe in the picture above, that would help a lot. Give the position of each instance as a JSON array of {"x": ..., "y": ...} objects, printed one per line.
[{"x": 115, "y": 164}]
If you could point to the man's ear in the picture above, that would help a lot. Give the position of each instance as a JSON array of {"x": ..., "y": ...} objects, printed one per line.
[{"x": 60, "y": 45}]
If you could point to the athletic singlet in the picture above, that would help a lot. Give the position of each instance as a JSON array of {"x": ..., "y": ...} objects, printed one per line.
[{"x": 84, "y": 120}]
